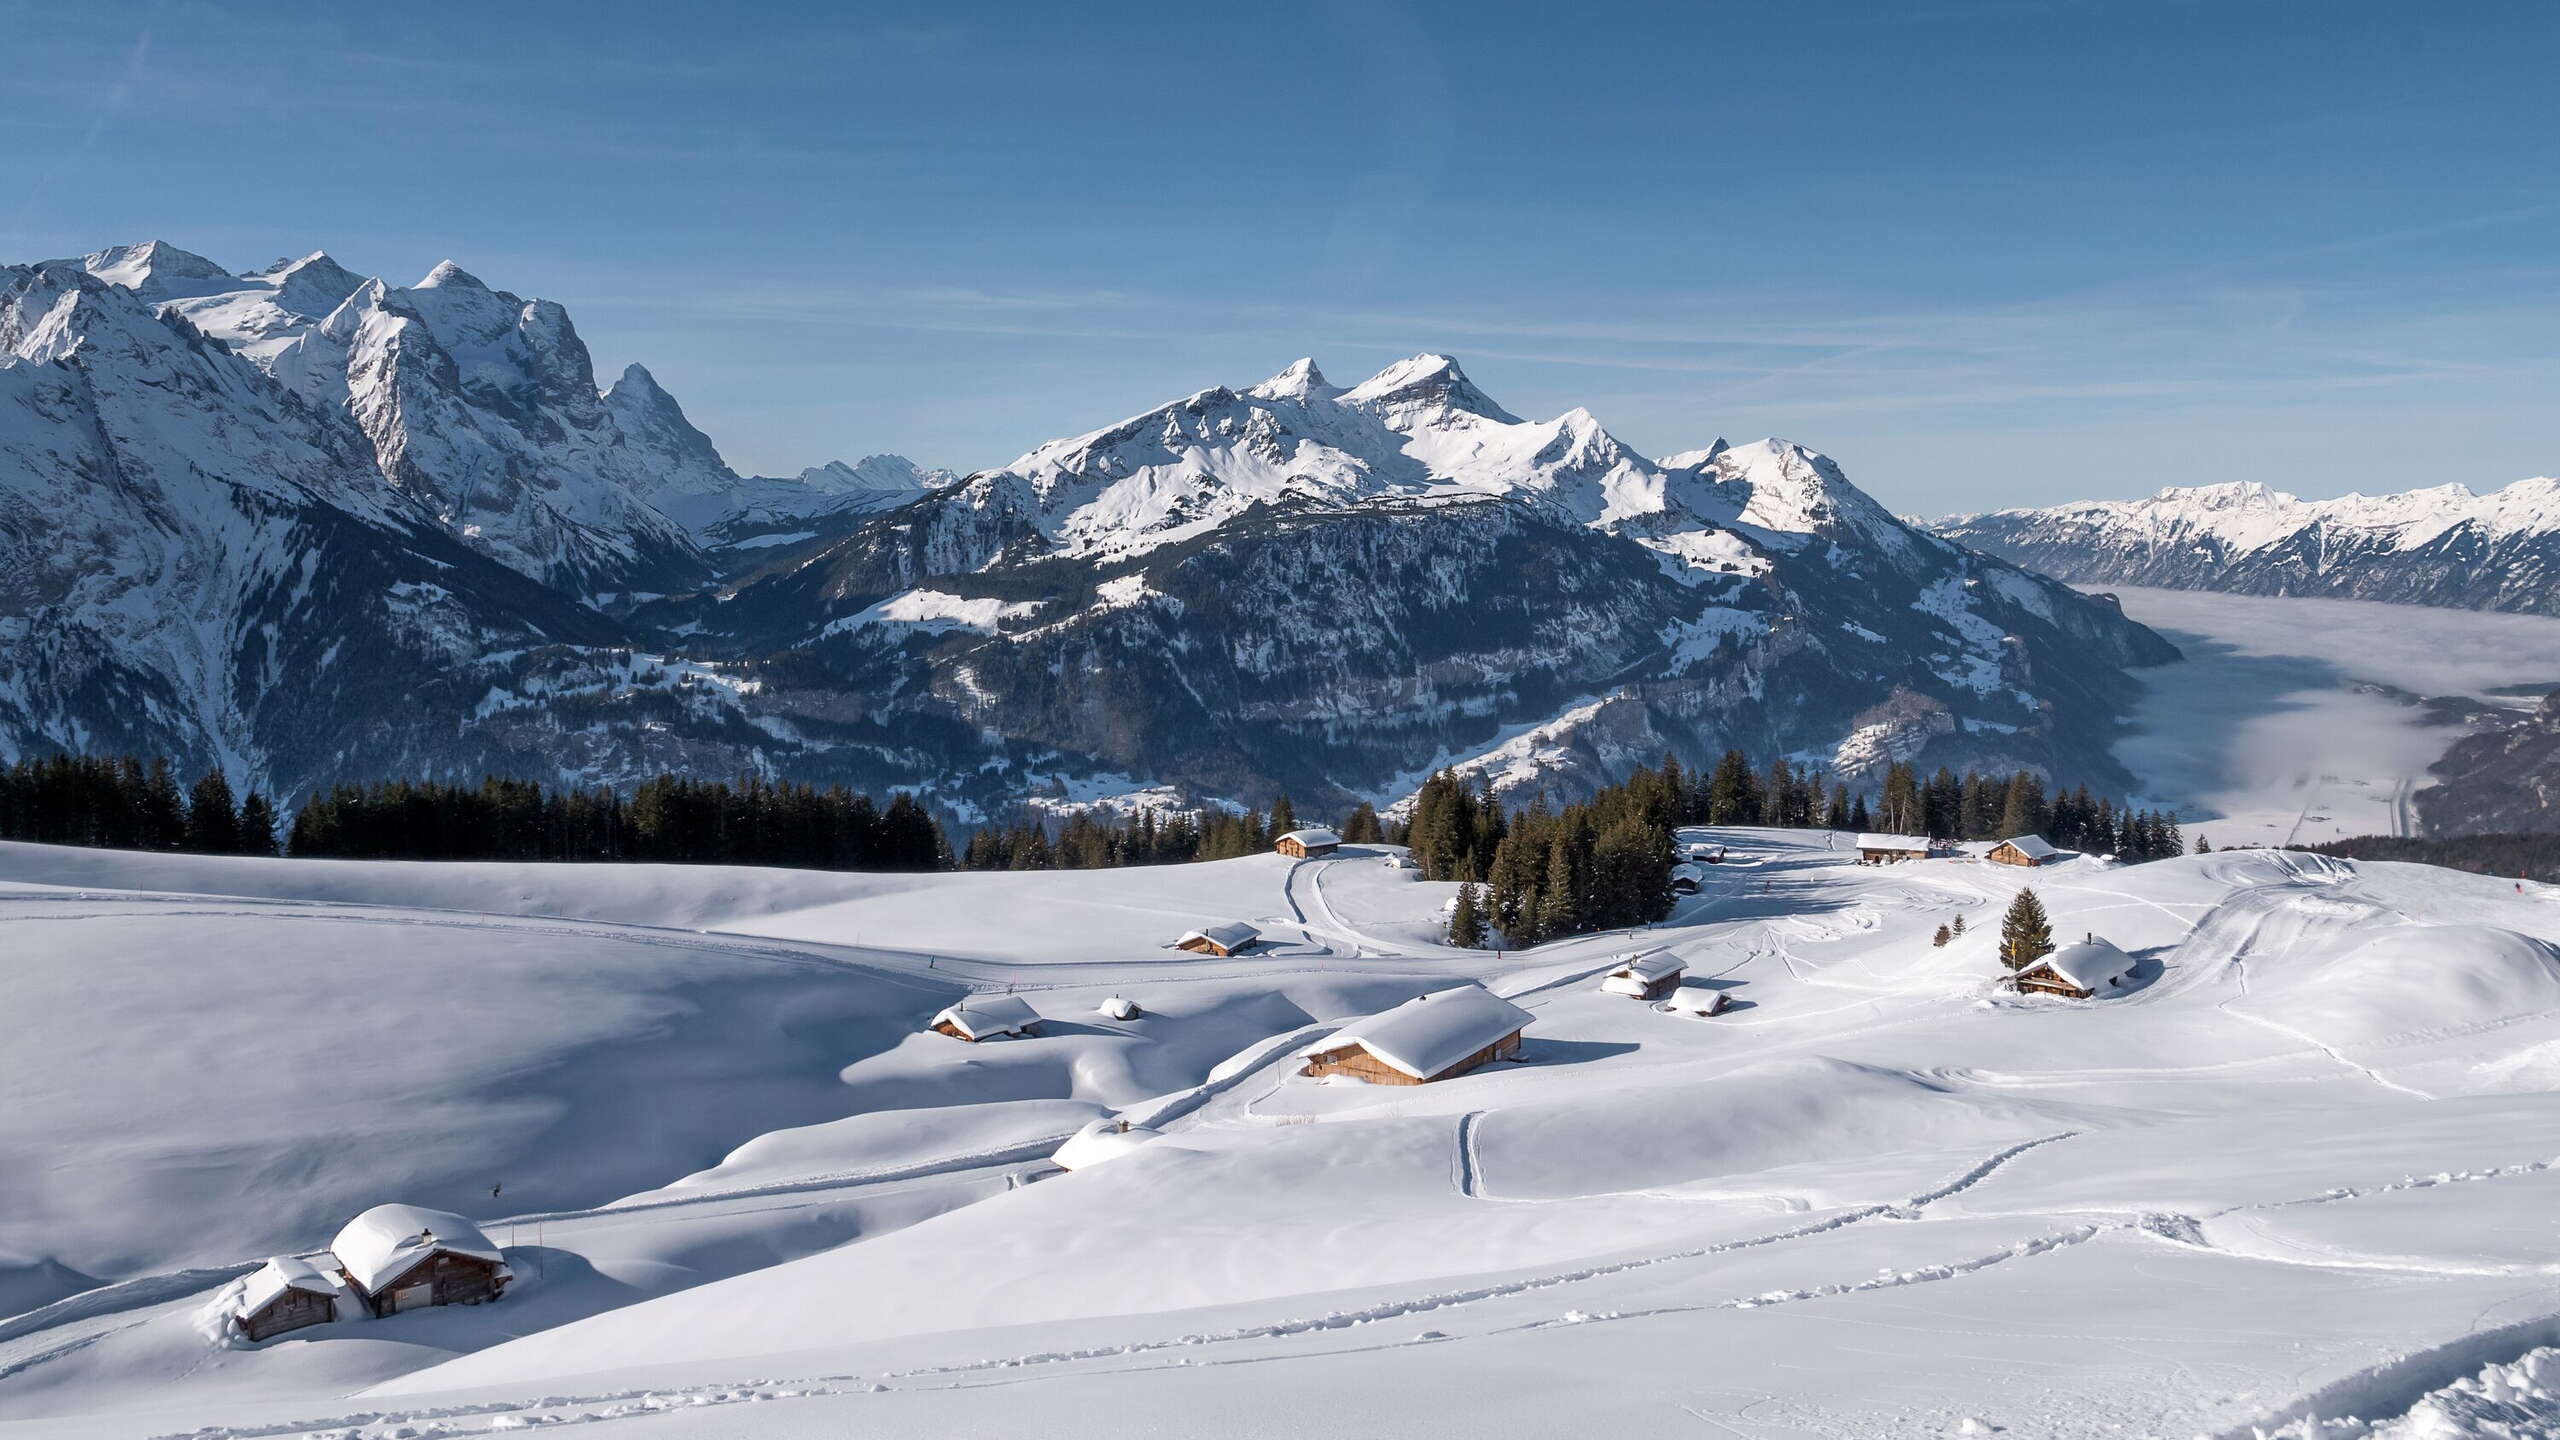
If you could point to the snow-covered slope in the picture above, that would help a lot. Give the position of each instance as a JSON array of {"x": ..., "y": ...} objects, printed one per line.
[
  {"x": 2298, "y": 1167},
  {"x": 2438, "y": 546}
]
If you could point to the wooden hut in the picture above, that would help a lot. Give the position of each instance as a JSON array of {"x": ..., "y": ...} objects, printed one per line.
[
  {"x": 1308, "y": 843},
  {"x": 288, "y": 1293},
  {"x": 1647, "y": 976},
  {"x": 2026, "y": 850},
  {"x": 1889, "y": 849},
  {"x": 403, "y": 1257},
  {"x": 1224, "y": 939},
  {"x": 1118, "y": 1008},
  {"x": 2077, "y": 971},
  {"x": 1706, "y": 853},
  {"x": 982, "y": 1017},
  {"x": 1431, "y": 1037}
]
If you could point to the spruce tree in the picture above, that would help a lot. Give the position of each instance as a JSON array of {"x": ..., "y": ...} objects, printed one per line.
[
  {"x": 2203, "y": 846},
  {"x": 2026, "y": 935},
  {"x": 1957, "y": 925},
  {"x": 1733, "y": 796},
  {"x": 1466, "y": 920},
  {"x": 1284, "y": 816},
  {"x": 213, "y": 820},
  {"x": 257, "y": 825},
  {"x": 1939, "y": 941},
  {"x": 1361, "y": 826},
  {"x": 160, "y": 812}
]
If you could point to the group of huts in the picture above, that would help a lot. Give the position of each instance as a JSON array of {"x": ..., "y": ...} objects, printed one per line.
[
  {"x": 988, "y": 1017},
  {"x": 389, "y": 1259},
  {"x": 2022, "y": 850}
]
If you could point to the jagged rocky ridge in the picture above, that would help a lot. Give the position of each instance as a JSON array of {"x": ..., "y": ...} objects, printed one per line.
[
  {"x": 316, "y": 527},
  {"x": 2440, "y": 546}
]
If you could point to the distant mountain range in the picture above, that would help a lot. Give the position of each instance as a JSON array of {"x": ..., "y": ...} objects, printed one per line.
[
  {"x": 316, "y": 527},
  {"x": 2441, "y": 546}
]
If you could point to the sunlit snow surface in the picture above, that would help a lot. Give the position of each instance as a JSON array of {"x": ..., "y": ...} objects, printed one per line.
[
  {"x": 2262, "y": 733},
  {"x": 2298, "y": 1176}
]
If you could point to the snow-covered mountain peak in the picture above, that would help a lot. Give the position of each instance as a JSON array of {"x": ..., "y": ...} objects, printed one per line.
[
  {"x": 448, "y": 275},
  {"x": 158, "y": 270},
  {"x": 881, "y": 473},
  {"x": 2229, "y": 495},
  {"x": 1424, "y": 389},
  {"x": 1301, "y": 380}
]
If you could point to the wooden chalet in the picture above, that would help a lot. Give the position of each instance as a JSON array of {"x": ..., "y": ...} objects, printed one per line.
[
  {"x": 1428, "y": 1038},
  {"x": 404, "y": 1257},
  {"x": 1890, "y": 849},
  {"x": 983, "y": 1017},
  {"x": 1648, "y": 976},
  {"x": 2077, "y": 972},
  {"x": 1119, "y": 1008},
  {"x": 288, "y": 1293},
  {"x": 2027, "y": 850},
  {"x": 1224, "y": 939},
  {"x": 1308, "y": 843},
  {"x": 1705, "y": 853}
]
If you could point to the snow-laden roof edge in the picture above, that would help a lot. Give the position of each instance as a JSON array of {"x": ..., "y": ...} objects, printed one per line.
[{"x": 1429, "y": 1033}]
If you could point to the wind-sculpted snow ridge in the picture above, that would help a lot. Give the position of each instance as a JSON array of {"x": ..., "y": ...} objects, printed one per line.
[{"x": 2443, "y": 545}]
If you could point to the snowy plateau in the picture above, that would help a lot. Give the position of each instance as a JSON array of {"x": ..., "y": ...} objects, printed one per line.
[
  {"x": 2294, "y": 1177},
  {"x": 315, "y": 527}
]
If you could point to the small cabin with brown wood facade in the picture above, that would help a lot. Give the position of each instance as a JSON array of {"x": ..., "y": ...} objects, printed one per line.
[
  {"x": 1307, "y": 844},
  {"x": 1648, "y": 976},
  {"x": 1428, "y": 1038},
  {"x": 403, "y": 1257},
  {"x": 1889, "y": 849},
  {"x": 1226, "y": 939},
  {"x": 983, "y": 1017},
  {"x": 2077, "y": 972},
  {"x": 2026, "y": 850},
  {"x": 289, "y": 1292}
]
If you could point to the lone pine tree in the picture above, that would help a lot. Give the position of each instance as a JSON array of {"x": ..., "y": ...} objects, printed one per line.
[{"x": 2026, "y": 935}]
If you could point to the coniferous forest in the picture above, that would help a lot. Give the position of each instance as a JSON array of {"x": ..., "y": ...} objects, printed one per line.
[{"x": 1533, "y": 872}]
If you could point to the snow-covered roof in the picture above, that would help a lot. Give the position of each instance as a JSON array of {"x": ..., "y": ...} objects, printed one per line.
[
  {"x": 1893, "y": 842},
  {"x": 2033, "y": 847},
  {"x": 1312, "y": 836},
  {"x": 1650, "y": 965},
  {"x": 2087, "y": 965},
  {"x": 1104, "y": 1139},
  {"x": 1233, "y": 935},
  {"x": 1429, "y": 1033},
  {"x": 1118, "y": 1008},
  {"x": 385, "y": 1242},
  {"x": 286, "y": 1272},
  {"x": 983, "y": 1015},
  {"x": 1694, "y": 1001}
]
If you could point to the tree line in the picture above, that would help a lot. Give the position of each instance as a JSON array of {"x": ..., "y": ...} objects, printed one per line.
[
  {"x": 124, "y": 804},
  {"x": 2520, "y": 856},
  {"x": 667, "y": 818}
]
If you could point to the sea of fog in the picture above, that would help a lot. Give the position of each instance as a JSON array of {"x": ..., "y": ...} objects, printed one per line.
[{"x": 2263, "y": 734}]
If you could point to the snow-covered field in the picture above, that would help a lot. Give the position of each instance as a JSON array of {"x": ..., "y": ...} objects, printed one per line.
[
  {"x": 2262, "y": 733},
  {"x": 2299, "y": 1177}
]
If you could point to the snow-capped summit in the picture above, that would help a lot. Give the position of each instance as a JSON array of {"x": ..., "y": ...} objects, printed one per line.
[
  {"x": 448, "y": 275},
  {"x": 157, "y": 270},
  {"x": 2443, "y": 545},
  {"x": 1301, "y": 380},
  {"x": 1424, "y": 388}
]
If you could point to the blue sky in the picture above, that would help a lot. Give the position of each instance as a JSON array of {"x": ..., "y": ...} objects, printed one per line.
[{"x": 1983, "y": 253}]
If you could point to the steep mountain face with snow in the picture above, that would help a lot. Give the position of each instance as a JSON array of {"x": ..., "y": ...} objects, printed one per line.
[
  {"x": 196, "y": 562},
  {"x": 1333, "y": 590},
  {"x": 2440, "y": 546},
  {"x": 316, "y": 527}
]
